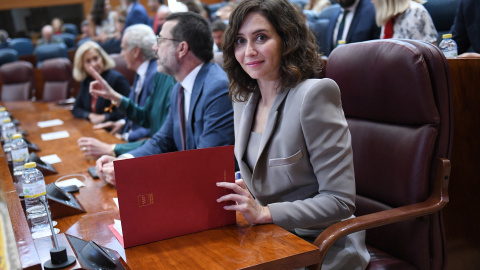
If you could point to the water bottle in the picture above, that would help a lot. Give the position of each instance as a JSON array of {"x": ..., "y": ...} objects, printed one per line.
[
  {"x": 19, "y": 155},
  {"x": 448, "y": 46},
  {"x": 34, "y": 191},
  {"x": 3, "y": 114},
  {"x": 8, "y": 129}
]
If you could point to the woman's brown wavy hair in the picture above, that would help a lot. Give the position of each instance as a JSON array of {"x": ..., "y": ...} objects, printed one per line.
[{"x": 300, "y": 58}]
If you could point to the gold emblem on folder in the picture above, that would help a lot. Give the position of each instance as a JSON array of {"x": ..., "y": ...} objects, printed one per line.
[{"x": 145, "y": 199}]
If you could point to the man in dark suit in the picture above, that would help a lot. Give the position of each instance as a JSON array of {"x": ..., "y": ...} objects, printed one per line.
[
  {"x": 201, "y": 114},
  {"x": 136, "y": 47},
  {"x": 136, "y": 14},
  {"x": 466, "y": 28},
  {"x": 350, "y": 20}
]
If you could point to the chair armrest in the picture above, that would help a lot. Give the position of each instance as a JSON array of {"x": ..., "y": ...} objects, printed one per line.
[{"x": 435, "y": 202}]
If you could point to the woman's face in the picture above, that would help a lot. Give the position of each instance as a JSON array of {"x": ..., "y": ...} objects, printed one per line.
[
  {"x": 92, "y": 58},
  {"x": 259, "y": 48}
]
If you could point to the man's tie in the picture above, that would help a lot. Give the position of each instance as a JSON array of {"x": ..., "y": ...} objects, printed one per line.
[
  {"x": 341, "y": 27},
  {"x": 181, "y": 115}
]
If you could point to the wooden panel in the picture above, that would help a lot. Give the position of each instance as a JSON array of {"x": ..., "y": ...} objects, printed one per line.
[{"x": 461, "y": 215}]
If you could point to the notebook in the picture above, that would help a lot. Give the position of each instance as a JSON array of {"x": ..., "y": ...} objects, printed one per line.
[{"x": 173, "y": 194}]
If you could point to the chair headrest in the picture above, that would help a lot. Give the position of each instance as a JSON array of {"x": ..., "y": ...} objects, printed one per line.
[
  {"x": 56, "y": 69},
  {"x": 16, "y": 72}
]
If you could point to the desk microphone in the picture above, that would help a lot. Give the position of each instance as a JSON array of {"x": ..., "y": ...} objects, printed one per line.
[{"x": 58, "y": 254}]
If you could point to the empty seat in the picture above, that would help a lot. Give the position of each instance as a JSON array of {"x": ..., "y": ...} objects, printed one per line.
[
  {"x": 121, "y": 66},
  {"x": 17, "y": 80},
  {"x": 8, "y": 55},
  {"x": 71, "y": 28},
  {"x": 57, "y": 75},
  {"x": 49, "y": 51},
  {"x": 68, "y": 39},
  {"x": 23, "y": 46}
]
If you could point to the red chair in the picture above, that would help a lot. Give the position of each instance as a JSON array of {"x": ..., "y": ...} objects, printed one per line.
[
  {"x": 17, "y": 80},
  {"x": 397, "y": 100},
  {"x": 121, "y": 66},
  {"x": 57, "y": 75}
]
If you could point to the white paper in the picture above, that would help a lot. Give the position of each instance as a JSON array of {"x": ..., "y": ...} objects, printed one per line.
[
  {"x": 51, "y": 159},
  {"x": 118, "y": 226},
  {"x": 69, "y": 182},
  {"x": 55, "y": 135},
  {"x": 50, "y": 123},
  {"x": 116, "y": 202}
]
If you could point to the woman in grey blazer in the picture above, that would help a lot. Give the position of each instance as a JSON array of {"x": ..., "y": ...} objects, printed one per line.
[{"x": 292, "y": 142}]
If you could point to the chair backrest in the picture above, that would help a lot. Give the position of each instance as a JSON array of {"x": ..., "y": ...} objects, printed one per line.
[
  {"x": 17, "y": 80},
  {"x": 68, "y": 39},
  {"x": 71, "y": 28},
  {"x": 24, "y": 46},
  {"x": 57, "y": 75},
  {"x": 48, "y": 51},
  {"x": 396, "y": 98},
  {"x": 121, "y": 66},
  {"x": 8, "y": 55}
]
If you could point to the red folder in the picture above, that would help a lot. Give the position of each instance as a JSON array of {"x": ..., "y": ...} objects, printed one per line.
[{"x": 173, "y": 194}]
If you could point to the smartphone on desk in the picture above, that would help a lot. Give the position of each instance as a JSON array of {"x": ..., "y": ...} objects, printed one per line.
[{"x": 92, "y": 172}]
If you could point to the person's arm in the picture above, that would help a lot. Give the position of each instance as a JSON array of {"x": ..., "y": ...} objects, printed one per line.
[
  {"x": 80, "y": 108},
  {"x": 122, "y": 148},
  {"x": 328, "y": 143}
]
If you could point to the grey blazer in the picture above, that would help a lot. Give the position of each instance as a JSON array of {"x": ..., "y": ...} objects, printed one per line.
[{"x": 304, "y": 170}]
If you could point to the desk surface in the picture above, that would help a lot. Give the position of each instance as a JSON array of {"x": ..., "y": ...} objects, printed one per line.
[{"x": 239, "y": 246}]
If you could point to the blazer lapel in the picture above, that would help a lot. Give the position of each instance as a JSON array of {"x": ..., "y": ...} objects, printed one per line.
[
  {"x": 245, "y": 125},
  {"x": 272, "y": 122},
  {"x": 196, "y": 92}
]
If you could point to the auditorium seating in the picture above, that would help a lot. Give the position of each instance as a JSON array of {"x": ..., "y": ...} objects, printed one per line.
[
  {"x": 17, "y": 78},
  {"x": 8, "y": 55},
  {"x": 49, "y": 51},
  {"x": 396, "y": 96},
  {"x": 23, "y": 46},
  {"x": 68, "y": 39},
  {"x": 121, "y": 66},
  {"x": 71, "y": 28},
  {"x": 57, "y": 75}
]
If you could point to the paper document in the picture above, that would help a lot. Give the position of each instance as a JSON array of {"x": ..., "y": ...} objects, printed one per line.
[
  {"x": 51, "y": 159},
  {"x": 50, "y": 123},
  {"x": 118, "y": 226},
  {"x": 70, "y": 182},
  {"x": 55, "y": 135}
]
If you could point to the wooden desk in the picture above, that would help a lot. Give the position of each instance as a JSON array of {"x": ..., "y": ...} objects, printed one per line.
[
  {"x": 461, "y": 215},
  {"x": 239, "y": 246}
]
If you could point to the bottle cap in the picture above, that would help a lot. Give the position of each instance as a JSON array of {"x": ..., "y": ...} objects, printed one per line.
[
  {"x": 2, "y": 109},
  {"x": 30, "y": 165},
  {"x": 6, "y": 120},
  {"x": 342, "y": 42},
  {"x": 17, "y": 136},
  {"x": 447, "y": 36}
]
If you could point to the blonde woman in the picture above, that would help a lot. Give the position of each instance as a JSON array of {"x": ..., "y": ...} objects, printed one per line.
[
  {"x": 406, "y": 19},
  {"x": 90, "y": 54}
]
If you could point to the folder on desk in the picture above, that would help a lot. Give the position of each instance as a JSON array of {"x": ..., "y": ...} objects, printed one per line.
[{"x": 168, "y": 195}]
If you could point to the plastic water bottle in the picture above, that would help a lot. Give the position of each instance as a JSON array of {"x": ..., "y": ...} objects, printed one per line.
[
  {"x": 3, "y": 114},
  {"x": 19, "y": 154},
  {"x": 34, "y": 191},
  {"x": 8, "y": 129},
  {"x": 448, "y": 46}
]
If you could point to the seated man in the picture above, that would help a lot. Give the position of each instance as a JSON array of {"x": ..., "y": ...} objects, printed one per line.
[
  {"x": 201, "y": 114},
  {"x": 151, "y": 116},
  {"x": 48, "y": 37}
]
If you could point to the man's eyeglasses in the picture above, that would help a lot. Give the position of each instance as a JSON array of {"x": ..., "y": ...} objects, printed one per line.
[{"x": 161, "y": 39}]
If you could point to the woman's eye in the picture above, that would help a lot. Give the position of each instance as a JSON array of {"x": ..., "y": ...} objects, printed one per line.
[
  {"x": 261, "y": 38},
  {"x": 240, "y": 40}
]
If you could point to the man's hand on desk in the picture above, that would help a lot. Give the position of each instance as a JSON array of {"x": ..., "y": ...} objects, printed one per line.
[
  {"x": 93, "y": 147},
  {"x": 113, "y": 126},
  {"x": 105, "y": 170},
  {"x": 469, "y": 55},
  {"x": 96, "y": 118}
]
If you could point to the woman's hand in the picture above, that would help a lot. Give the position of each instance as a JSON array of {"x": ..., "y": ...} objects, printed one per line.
[
  {"x": 96, "y": 118},
  {"x": 101, "y": 88},
  {"x": 253, "y": 212},
  {"x": 94, "y": 147}
]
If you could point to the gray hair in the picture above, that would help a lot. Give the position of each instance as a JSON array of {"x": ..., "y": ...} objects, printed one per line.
[{"x": 141, "y": 36}]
